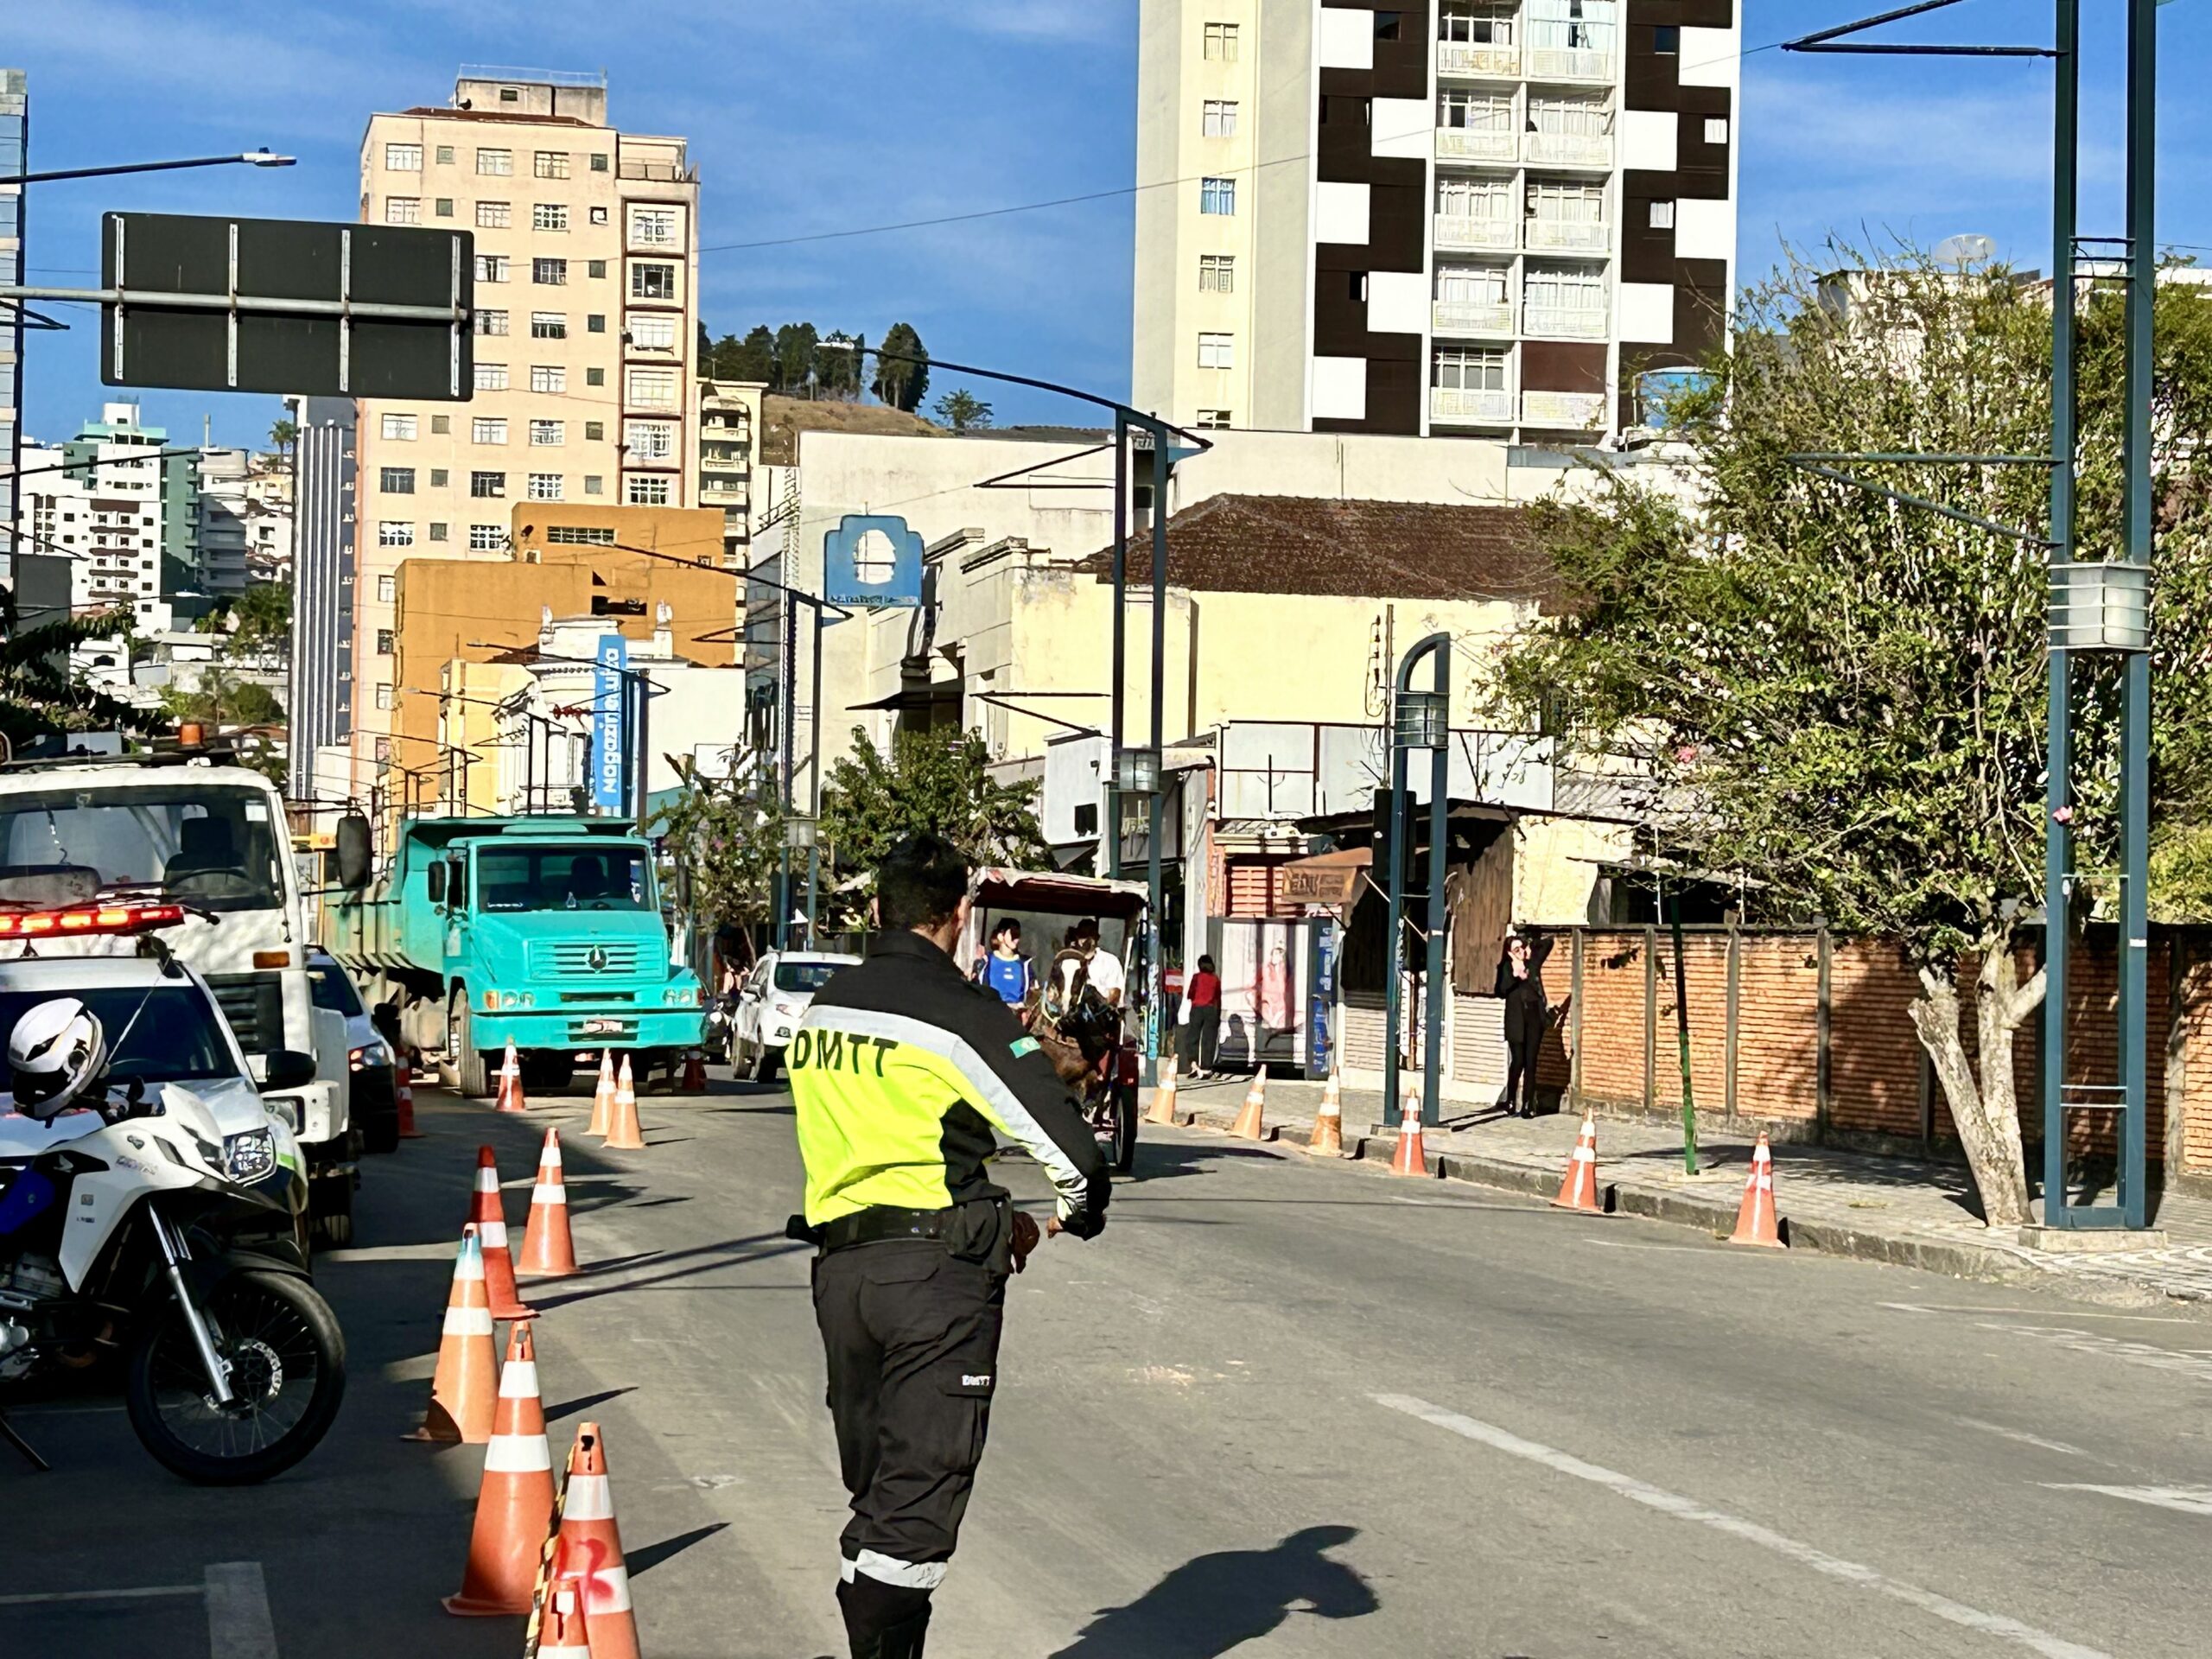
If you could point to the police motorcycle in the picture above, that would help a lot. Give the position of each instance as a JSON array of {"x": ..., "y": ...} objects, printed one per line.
[{"x": 161, "y": 1223}]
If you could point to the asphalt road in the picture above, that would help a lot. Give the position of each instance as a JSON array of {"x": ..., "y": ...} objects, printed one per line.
[{"x": 1278, "y": 1408}]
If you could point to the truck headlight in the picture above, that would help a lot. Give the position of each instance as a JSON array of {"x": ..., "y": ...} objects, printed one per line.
[
  {"x": 250, "y": 1156},
  {"x": 509, "y": 999},
  {"x": 285, "y": 1110},
  {"x": 529, "y": 999}
]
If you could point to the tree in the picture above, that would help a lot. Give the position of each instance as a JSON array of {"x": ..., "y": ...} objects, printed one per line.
[
  {"x": 223, "y": 699},
  {"x": 795, "y": 350},
  {"x": 283, "y": 432},
  {"x": 837, "y": 373},
  {"x": 38, "y": 697},
  {"x": 263, "y": 618},
  {"x": 733, "y": 843},
  {"x": 902, "y": 385},
  {"x": 937, "y": 782},
  {"x": 962, "y": 410},
  {"x": 752, "y": 358},
  {"x": 1841, "y": 697}
]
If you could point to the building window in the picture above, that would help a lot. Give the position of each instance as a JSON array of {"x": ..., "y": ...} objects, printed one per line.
[
  {"x": 595, "y": 268},
  {"x": 482, "y": 538},
  {"x": 1667, "y": 40},
  {"x": 384, "y": 692},
  {"x": 1470, "y": 284},
  {"x": 1465, "y": 25},
  {"x": 387, "y": 589},
  {"x": 1458, "y": 198},
  {"x": 1217, "y": 351},
  {"x": 578, "y": 535},
  {"x": 547, "y": 377},
  {"x": 1217, "y": 273},
  {"x": 1563, "y": 289},
  {"x": 1662, "y": 215},
  {"x": 549, "y": 216},
  {"x": 599, "y": 215},
  {"x": 650, "y": 333},
  {"x": 546, "y": 434},
  {"x": 437, "y": 532},
  {"x": 1555, "y": 202},
  {"x": 649, "y": 440},
  {"x": 490, "y": 377},
  {"x": 492, "y": 267},
  {"x": 549, "y": 164},
  {"x": 1214, "y": 418},
  {"x": 1218, "y": 118},
  {"x": 545, "y": 487},
  {"x": 495, "y": 163},
  {"x": 438, "y": 480},
  {"x": 1220, "y": 43},
  {"x": 553, "y": 272},
  {"x": 596, "y": 322},
  {"x": 396, "y": 480},
  {"x": 495, "y": 215},
  {"x": 487, "y": 485},
  {"x": 440, "y": 425},
  {"x": 652, "y": 388},
  {"x": 653, "y": 227},
  {"x": 1572, "y": 25},
  {"x": 1470, "y": 370},
  {"x": 594, "y": 376},
  {"x": 549, "y": 325},
  {"x": 595, "y": 485},
  {"x": 403, "y": 158},
  {"x": 384, "y": 751},
  {"x": 646, "y": 490},
  {"x": 1217, "y": 196},
  {"x": 491, "y": 322},
  {"x": 594, "y": 431},
  {"x": 650, "y": 281},
  {"x": 392, "y": 533},
  {"x": 1388, "y": 25},
  {"x": 1462, "y": 110},
  {"x": 402, "y": 210},
  {"x": 399, "y": 429},
  {"x": 487, "y": 429},
  {"x": 384, "y": 649},
  {"x": 1716, "y": 129},
  {"x": 444, "y": 208},
  {"x": 1574, "y": 118},
  {"x": 445, "y": 155},
  {"x": 599, "y": 163}
]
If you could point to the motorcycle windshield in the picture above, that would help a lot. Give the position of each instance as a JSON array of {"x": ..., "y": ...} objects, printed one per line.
[{"x": 175, "y": 1038}]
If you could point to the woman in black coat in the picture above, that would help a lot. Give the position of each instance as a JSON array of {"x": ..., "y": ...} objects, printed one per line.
[{"x": 1528, "y": 1016}]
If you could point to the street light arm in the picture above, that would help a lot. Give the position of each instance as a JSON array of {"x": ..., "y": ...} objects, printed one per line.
[
  {"x": 250, "y": 158},
  {"x": 815, "y": 600}
]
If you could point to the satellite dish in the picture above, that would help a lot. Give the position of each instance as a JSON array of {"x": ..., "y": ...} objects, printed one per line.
[{"x": 1960, "y": 251}]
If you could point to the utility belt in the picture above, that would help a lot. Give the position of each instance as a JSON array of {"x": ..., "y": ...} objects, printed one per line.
[{"x": 981, "y": 1229}]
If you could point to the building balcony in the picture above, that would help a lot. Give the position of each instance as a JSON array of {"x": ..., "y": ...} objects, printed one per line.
[
  {"x": 1464, "y": 59},
  {"x": 1567, "y": 236},
  {"x": 1567, "y": 148},
  {"x": 1470, "y": 408},
  {"x": 1502, "y": 233},
  {"x": 1473, "y": 144},
  {"x": 1465, "y": 317},
  {"x": 1564, "y": 323},
  {"x": 1569, "y": 63},
  {"x": 1566, "y": 411}
]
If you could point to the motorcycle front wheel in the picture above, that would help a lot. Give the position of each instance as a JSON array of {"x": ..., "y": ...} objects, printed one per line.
[{"x": 288, "y": 1373}]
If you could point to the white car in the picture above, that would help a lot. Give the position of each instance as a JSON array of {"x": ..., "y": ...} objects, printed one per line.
[{"x": 773, "y": 1000}]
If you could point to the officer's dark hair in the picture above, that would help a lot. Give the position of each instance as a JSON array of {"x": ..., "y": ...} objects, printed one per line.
[{"x": 920, "y": 883}]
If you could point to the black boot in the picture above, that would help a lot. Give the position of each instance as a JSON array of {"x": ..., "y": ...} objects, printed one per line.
[{"x": 883, "y": 1621}]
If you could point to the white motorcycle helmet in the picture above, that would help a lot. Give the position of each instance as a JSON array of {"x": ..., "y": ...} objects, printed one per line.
[{"x": 56, "y": 1052}]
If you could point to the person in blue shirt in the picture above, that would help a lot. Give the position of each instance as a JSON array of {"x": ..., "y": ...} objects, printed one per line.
[{"x": 1005, "y": 969}]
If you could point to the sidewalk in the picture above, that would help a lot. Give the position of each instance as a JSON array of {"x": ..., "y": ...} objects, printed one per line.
[{"x": 1908, "y": 1213}]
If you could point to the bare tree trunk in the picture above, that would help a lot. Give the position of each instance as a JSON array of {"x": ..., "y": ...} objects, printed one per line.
[{"x": 1986, "y": 1112}]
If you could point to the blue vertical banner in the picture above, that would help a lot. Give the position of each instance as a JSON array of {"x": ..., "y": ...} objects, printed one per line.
[
  {"x": 609, "y": 724},
  {"x": 1321, "y": 991}
]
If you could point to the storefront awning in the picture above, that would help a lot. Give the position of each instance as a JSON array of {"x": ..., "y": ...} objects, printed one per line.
[{"x": 1324, "y": 878}]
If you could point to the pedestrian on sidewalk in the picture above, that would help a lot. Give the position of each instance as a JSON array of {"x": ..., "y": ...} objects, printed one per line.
[
  {"x": 1202, "y": 1033},
  {"x": 1528, "y": 1016}
]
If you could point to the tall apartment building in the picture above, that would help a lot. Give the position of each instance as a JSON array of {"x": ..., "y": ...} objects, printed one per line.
[
  {"x": 14, "y": 139},
  {"x": 124, "y": 515},
  {"x": 729, "y": 426},
  {"x": 321, "y": 694},
  {"x": 1481, "y": 218},
  {"x": 587, "y": 318}
]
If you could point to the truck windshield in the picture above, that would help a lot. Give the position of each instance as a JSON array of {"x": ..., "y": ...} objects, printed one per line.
[
  {"x": 175, "y": 1039},
  {"x": 214, "y": 845},
  {"x": 563, "y": 878}
]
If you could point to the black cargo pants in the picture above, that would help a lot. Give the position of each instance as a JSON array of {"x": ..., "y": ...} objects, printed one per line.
[{"x": 912, "y": 1334}]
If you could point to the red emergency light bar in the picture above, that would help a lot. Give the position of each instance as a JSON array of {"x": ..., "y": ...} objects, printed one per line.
[{"x": 89, "y": 919}]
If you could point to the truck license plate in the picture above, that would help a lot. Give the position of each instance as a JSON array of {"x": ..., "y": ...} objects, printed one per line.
[{"x": 605, "y": 1027}]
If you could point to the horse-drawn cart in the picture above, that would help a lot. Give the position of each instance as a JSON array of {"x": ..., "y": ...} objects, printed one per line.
[{"x": 1087, "y": 1034}]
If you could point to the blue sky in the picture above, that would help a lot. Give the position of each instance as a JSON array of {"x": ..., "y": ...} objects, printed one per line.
[{"x": 814, "y": 116}]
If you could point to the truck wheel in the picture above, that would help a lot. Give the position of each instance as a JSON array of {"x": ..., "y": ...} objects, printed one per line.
[
  {"x": 469, "y": 1078},
  {"x": 333, "y": 1211}
]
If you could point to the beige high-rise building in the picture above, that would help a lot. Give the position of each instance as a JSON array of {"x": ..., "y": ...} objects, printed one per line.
[{"x": 587, "y": 323}]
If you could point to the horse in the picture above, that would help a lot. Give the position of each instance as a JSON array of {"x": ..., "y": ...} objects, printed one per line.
[{"x": 1073, "y": 1025}]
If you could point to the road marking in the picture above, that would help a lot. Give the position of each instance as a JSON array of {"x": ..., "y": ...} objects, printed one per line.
[
  {"x": 1684, "y": 1509},
  {"x": 99, "y": 1595},
  {"x": 2189, "y": 1500},
  {"x": 2188, "y": 1363},
  {"x": 238, "y": 1623},
  {"x": 1713, "y": 1250},
  {"x": 2034, "y": 1312},
  {"x": 2022, "y": 1436}
]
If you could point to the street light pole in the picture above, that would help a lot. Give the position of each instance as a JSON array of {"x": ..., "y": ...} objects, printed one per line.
[
  {"x": 1113, "y": 815},
  {"x": 1420, "y": 721},
  {"x": 262, "y": 157}
]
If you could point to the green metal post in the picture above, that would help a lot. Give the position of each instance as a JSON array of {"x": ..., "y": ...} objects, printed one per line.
[
  {"x": 1155, "y": 888},
  {"x": 1440, "y": 807},
  {"x": 1682, "y": 1036},
  {"x": 1112, "y": 825}
]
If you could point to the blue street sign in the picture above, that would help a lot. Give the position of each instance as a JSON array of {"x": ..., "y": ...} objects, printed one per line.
[
  {"x": 610, "y": 730},
  {"x": 871, "y": 561}
]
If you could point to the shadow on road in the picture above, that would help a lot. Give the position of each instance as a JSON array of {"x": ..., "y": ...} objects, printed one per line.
[
  {"x": 652, "y": 1555},
  {"x": 1216, "y": 1603}
]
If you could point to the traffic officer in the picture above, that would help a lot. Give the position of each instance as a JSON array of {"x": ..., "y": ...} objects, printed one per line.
[{"x": 900, "y": 1071}]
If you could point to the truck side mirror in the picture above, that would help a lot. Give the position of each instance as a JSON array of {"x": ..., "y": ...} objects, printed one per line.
[
  {"x": 353, "y": 846},
  {"x": 287, "y": 1068},
  {"x": 434, "y": 879}
]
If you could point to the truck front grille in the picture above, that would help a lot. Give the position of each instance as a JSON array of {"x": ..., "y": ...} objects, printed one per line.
[
  {"x": 572, "y": 958},
  {"x": 254, "y": 1005}
]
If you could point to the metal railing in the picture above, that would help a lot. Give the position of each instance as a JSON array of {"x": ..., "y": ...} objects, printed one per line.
[
  {"x": 1564, "y": 323},
  {"x": 1484, "y": 407},
  {"x": 1502, "y": 231},
  {"x": 1467, "y": 317},
  {"x": 1567, "y": 236},
  {"x": 1464, "y": 58},
  {"x": 1569, "y": 63},
  {"x": 1473, "y": 144},
  {"x": 1567, "y": 148},
  {"x": 1577, "y": 412}
]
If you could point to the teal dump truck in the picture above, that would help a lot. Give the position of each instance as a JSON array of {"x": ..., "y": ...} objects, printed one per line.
[{"x": 543, "y": 932}]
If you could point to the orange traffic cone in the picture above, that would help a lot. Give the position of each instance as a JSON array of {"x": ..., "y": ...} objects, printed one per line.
[
  {"x": 510, "y": 1098},
  {"x": 623, "y": 1133},
  {"x": 547, "y": 1249},
  {"x": 589, "y": 1549},
  {"x": 487, "y": 1212},
  {"x": 562, "y": 1633},
  {"x": 1163, "y": 1097},
  {"x": 1755, "y": 1218},
  {"x": 695, "y": 1073},
  {"x": 516, "y": 1497},
  {"x": 603, "y": 1098},
  {"x": 403, "y": 1089},
  {"x": 1250, "y": 1123},
  {"x": 1329, "y": 1123},
  {"x": 1409, "y": 1158},
  {"x": 1578, "y": 1189},
  {"x": 464, "y": 1392}
]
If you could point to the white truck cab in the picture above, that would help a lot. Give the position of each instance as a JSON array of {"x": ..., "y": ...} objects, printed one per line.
[{"x": 187, "y": 826}]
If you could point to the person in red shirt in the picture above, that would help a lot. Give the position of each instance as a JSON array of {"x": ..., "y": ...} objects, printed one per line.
[{"x": 1202, "y": 1030}]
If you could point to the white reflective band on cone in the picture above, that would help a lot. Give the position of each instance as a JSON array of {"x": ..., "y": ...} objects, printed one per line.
[
  {"x": 469, "y": 1322},
  {"x": 588, "y": 1499},
  {"x": 908, "y": 1575},
  {"x": 495, "y": 1234},
  {"x": 549, "y": 1158},
  {"x": 471, "y": 1264},
  {"x": 488, "y": 1180},
  {"x": 517, "y": 1454},
  {"x": 518, "y": 1380},
  {"x": 544, "y": 1194},
  {"x": 607, "y": 1591},
  {"x": 1586, "y": 1154}
]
